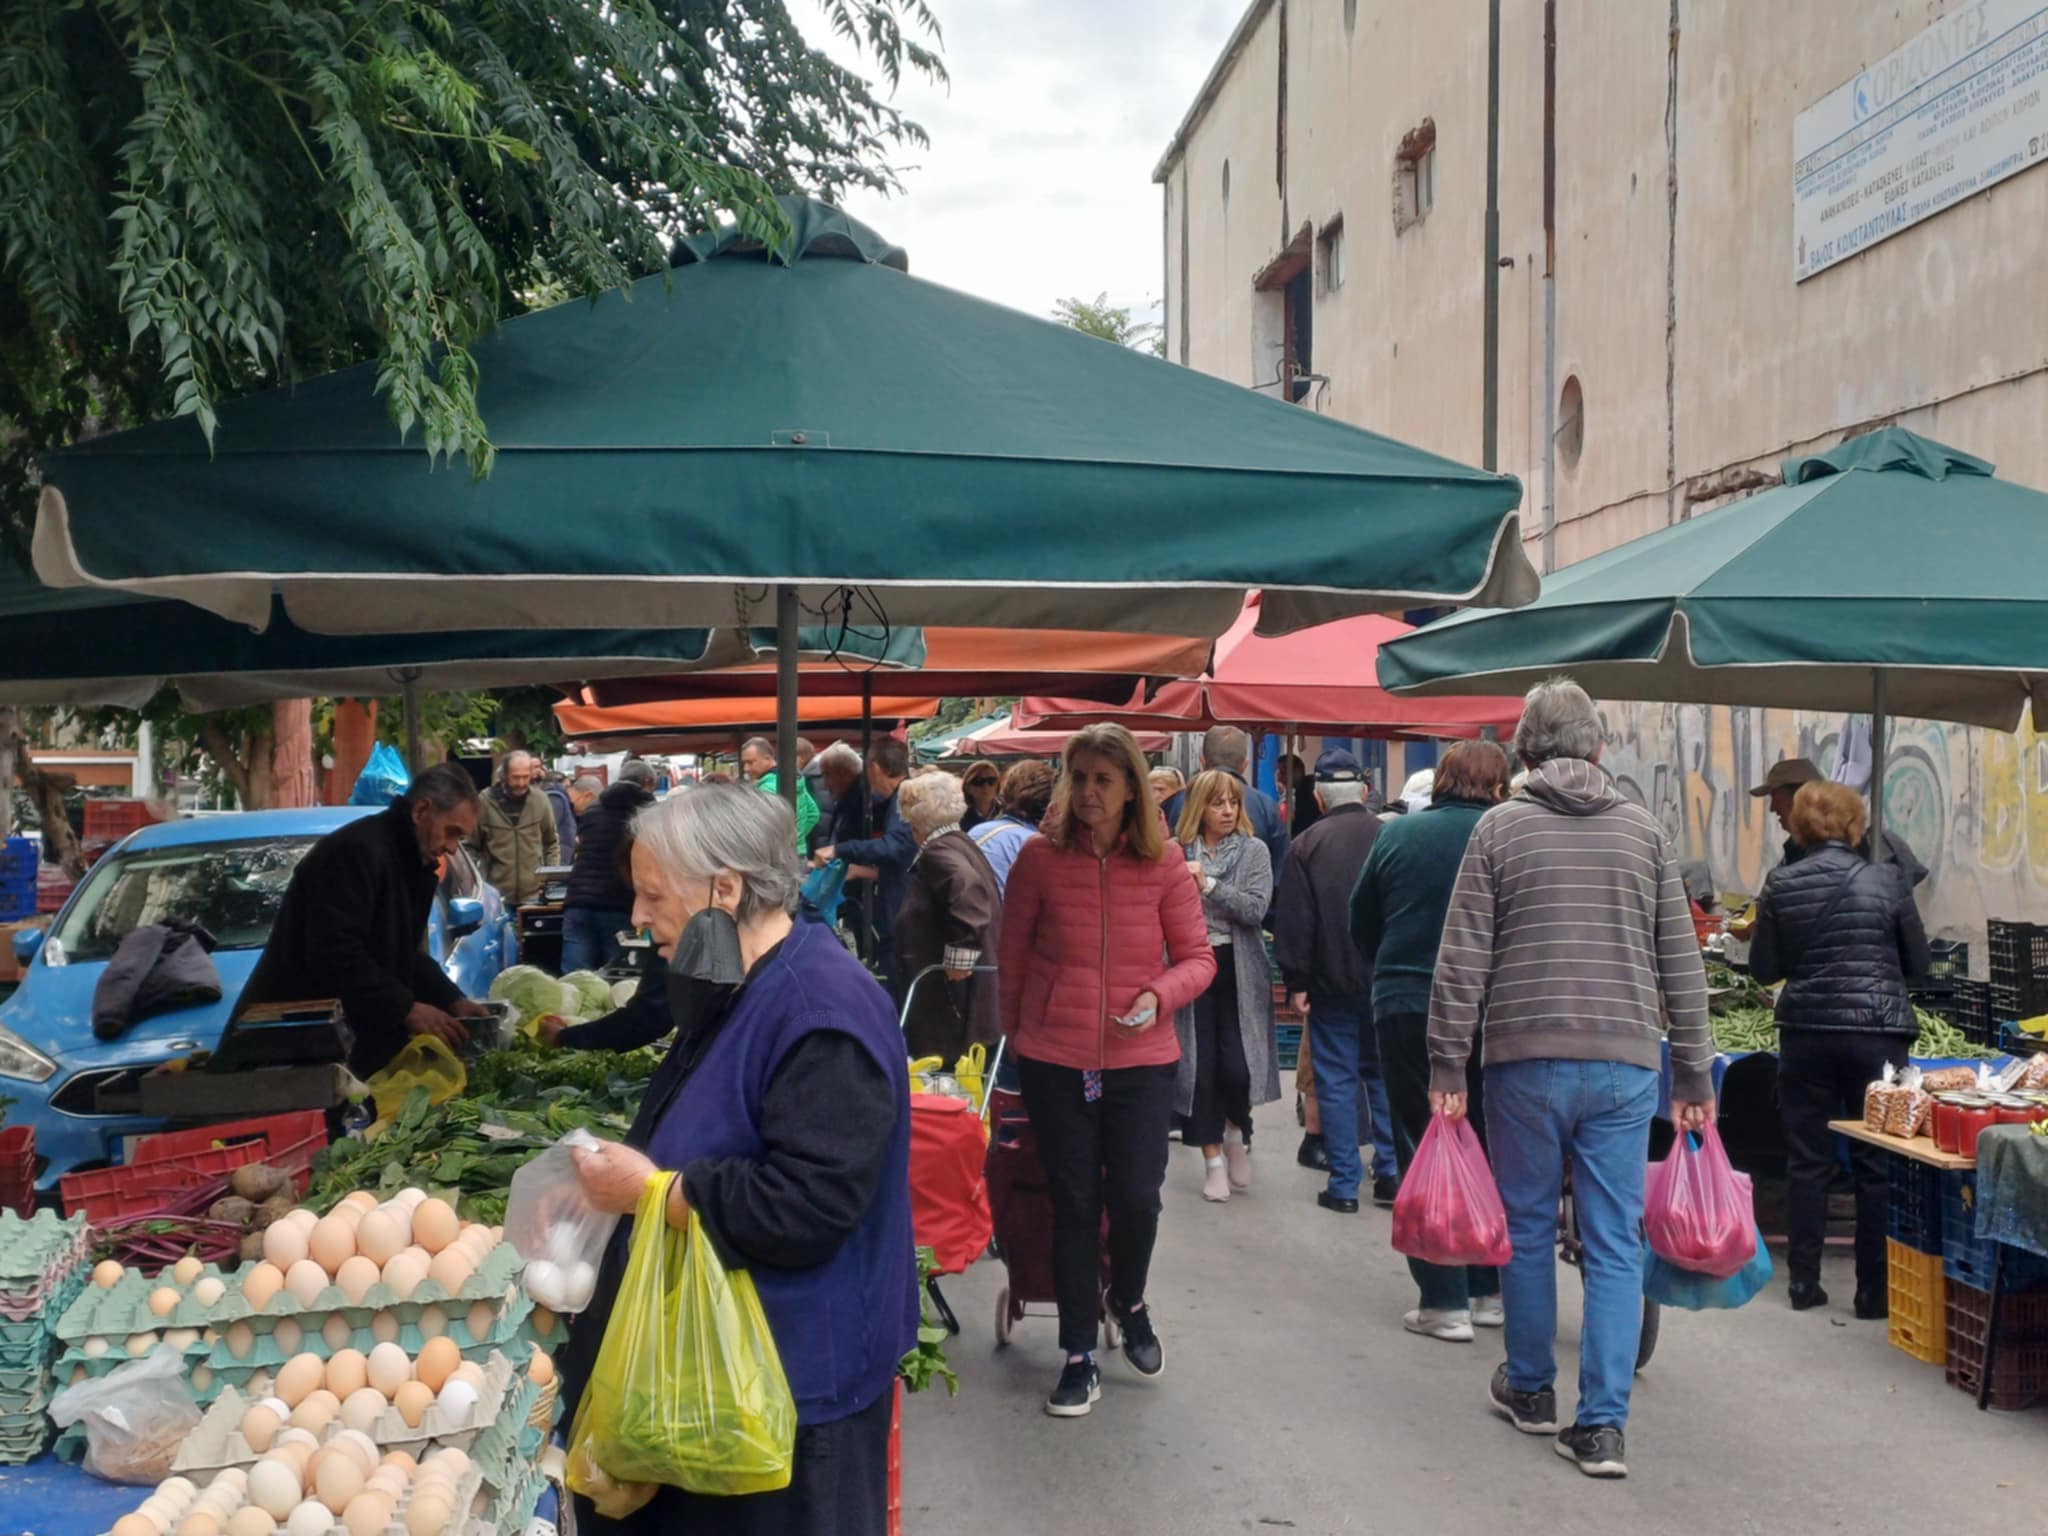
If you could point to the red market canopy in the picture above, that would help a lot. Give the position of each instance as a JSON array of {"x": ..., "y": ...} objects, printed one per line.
[
  {"x": 1321, "y": 681},
  {"x": 680, "y": 725},
  {"x": 1003, "y": 738}
]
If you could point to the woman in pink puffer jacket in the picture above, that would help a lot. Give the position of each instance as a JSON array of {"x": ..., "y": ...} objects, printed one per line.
[{"x": 1103, "y": 942}]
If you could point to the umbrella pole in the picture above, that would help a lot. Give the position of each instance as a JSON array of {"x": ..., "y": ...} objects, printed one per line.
[
  {"x": 409, "y": 683},
  {"x": 787, "y": 776},
  {"x": 1878, "y": 723},
  {"x": 867, "y": 748}
]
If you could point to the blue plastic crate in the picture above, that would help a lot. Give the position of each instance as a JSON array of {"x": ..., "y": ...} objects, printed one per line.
[
  {"x": 1287, "y": 1046},
  {"x": 1968, "y": 1258},
  {"x": 1914, "y": 1214}
]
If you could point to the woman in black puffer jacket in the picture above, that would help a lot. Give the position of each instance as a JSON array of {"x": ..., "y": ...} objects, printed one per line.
[{"x": 1843, "y": 935}]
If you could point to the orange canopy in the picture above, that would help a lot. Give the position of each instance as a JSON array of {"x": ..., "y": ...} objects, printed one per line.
[{"x": 718, "y": 720}]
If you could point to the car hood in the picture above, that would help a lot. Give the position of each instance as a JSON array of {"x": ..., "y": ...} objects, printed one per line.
[{"x": 52, "y": 1010}]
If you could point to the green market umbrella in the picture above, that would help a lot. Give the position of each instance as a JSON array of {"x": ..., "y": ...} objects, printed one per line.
[
  {"x": 1892, "y": 574},
  {"x": 675, "y": 453}
]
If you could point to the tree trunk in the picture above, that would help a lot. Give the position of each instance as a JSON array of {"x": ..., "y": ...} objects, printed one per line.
[
  {"x": 355, "y": 735},
  {"x": 251, "y": 788},
  {"x": 291, "y": 754},
  {"x": 47, "y": 790}
]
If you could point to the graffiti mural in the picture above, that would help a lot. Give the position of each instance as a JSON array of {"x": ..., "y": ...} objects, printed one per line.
[{"x": 1972, "y": 804}]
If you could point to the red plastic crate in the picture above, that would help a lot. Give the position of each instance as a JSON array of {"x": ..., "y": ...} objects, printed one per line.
[
  {"x": 106, "y": 1193},
  {"x": 18, "y": 1169},
  {"x": 115, "y": 819},
  {"x": 289, "y": 1140},
  {"x": 2019, "y": 1367}
]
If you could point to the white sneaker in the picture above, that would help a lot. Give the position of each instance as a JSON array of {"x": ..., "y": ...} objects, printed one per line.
[
  {"x": 1237, "y": 1158},
  {"x": 1451, "y": 1327},
  {"x": 1487, "y": 1312},
  {"x": 1216, "y": 1183}
]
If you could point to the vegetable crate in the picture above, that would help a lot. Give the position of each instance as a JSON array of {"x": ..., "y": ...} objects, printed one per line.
[
  {"x": 1967, "y": 1258},
  {"x": 17, "y": 879},
  {"x": 1947, "y": 958},
  {"x": 2019, "y": 1366},
  {"x": 1969, "y": 1009},
  {"x": 1913, "y": 1216},
  {"x": 18, "y": 1169},
  {"x": 1917, "y": 1289},
  {"x": 1287, "y": 1046},
  {"x": 290, "y": 1140},
  {"x": 115, "y": 819},
  {"x": 2019, "y": 966},
  {"x": 171, "y": 1166}
]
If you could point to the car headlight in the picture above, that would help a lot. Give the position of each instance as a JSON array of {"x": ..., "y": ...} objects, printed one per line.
[{"x": 20, "y": 1059}]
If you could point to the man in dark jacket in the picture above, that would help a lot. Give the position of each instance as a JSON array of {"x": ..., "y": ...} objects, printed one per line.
[
  {"x": 1228, "y": 748},
  {"x": 515, "y": 835},
  {"x": 600, "y": 901},
  {"x": 888, "y": 852},
  {"x": 1782, "y": 783},
  {"x": 1331, "y": 979},
  {"x": 353, "y": 923}
]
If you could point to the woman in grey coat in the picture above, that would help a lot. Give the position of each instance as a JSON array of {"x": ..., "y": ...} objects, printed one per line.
[{"x": 1227, "y": 1062}]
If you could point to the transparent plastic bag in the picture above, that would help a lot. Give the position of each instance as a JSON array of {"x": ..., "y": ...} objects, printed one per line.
[
  {"x": 552, "y": 1225},
  {"x": 1699, "y": 1213},
  {"x": 1449, "y": 1210},
  {"x": 136, "y": 1417},
  {"x": 1665, "y": 1283},
  {"x": 688, "y": 1387}
]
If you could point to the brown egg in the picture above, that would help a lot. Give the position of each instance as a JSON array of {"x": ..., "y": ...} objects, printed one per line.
[
  {"x": 540, "y": 1369},
  {"x": 413, "y": 1400},
  {"x": 402, "y": 1461},
  {"x": 317, "y": 1411},
  {"x": 433, "y": 1321},
  {"x": 451, "y": 1269},
  {"x": 163, "y": 1301},
  {"x": 362, "y": 1200},
  {"x": 306, "y": 1280},
  {"x": 259, "y": 1428},
  {"x": 337, "y": 1479},
  {"x": 378, "y": 1238},
  {"x": 107, "y": 1274},
  {"x": 362, "y": 1408},
  {"x": 251, "y": 1521},
  {"x": 333, "y": 1241},
  {"x": 261, "y": 1283},
  {"x": 186, "y": 1270},
  {"x": 355, "y": 1277},
  {"x": 435, "y": 1225},
  {"x": 305, "y": 1220},
  {"x": 284, "y": 1244},
  {"x": 483, "y": 1317},
  {"x": 347, "y": 1372},
  {"x": 543, "y": 1322},
  {"x": 135, "y": 1525},
  {"x": 335, "y": 1332},
  {"x": 198, "y": 1523},
  {"x": 437, "y": 1362},
  {"x": 368, "y": 1513},
  {"x": 299, "y": 1377},
  {"x": 429, "y": 1514}
]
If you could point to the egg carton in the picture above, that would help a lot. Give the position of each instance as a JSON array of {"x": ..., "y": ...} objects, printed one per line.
[
  {"x": 511, "y": 1310},
  {"x": 218, "y": 1442},
  {"x": 33, "y": 1246},
  {"x": 498, "y": 1273},
  {"x": 51, "y": 1286},
  {"x": 511, "y": 1510},
  {"x": 57, "y": 1290},
  {"x": 466, "y": 1523},
  {"x": 501, "y": 1450}
]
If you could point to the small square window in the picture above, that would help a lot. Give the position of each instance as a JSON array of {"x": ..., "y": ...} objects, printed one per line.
[
  {"x": 1330, "y": 255},
  {"x": 1415, "y": 176}
]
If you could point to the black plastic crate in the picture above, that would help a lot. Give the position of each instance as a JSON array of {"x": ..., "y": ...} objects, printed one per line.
[
  {"x": 1969, "y": 1009},
  {"x": 1947, "y": 959},
  {"x": 2019, "y": 966},
  {"x": 1914, "y": 1215},
  {"x": 1968, "y": 1258}
]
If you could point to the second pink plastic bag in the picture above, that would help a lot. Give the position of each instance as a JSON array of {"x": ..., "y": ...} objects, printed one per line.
[
  {"x": 1449, "y": 1210},
  {"x": 1698, "y": 1212}
]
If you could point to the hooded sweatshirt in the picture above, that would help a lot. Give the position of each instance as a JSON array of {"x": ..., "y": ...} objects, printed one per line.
[{"x": 1569, "y": 934}]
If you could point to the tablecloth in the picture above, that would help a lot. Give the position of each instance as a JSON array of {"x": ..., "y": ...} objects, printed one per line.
[{"x": 2012, "y": 1187}]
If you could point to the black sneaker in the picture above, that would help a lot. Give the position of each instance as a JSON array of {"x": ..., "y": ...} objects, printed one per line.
[
  {"x": 1312, "y": 1154},
  {"x": 1533, "y": 1413},
  {"x": 1805, "y": 1298},
  {"x": 1873, "y": 1306},
  {"x": 1596, "y": 1449},
  {"x": 1383, "y": 1192},
  {"x": 1080, "y": 1389},
  {"x": 1343, "y": 1205},
  {"x": 1142, "y": 1350}
]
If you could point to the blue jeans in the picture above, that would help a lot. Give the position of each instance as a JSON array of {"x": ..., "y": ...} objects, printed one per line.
[
  {"x": 1597, "y": 1115},
  {"x": 1346, "y": 1054},
  {"x": 590, "y": 937}
]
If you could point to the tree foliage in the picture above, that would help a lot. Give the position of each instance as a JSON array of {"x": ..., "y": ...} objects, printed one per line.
[
  {"x": 1111, "y": 322},
  {"x": 203, "y": 197}
]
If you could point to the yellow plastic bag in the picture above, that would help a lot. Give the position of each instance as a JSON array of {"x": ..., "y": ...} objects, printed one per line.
[
  {"x": 969, "y": 1071},
  {"x": 688, "y": 1387},
  {"x": 426, "y": 1062}
]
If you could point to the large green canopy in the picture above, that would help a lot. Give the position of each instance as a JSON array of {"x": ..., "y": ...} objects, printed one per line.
[
  {"x": 668, "y": 455},
  {"x": 1891, "y": 560}
]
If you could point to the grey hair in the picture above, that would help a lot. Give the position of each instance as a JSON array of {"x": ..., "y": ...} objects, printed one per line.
[
  {"x": 443, "y": 786},
  {"x": 931, "y": 801},
  {"x": 1559, "y": 719},
  {"x": 515, "y": 755},
  {"x": 1342, "y": 792},
  {"x": 635, "y": 770},
  {"x": 588, "y": 784},
  {"x": 838, "y": 755},
  {"x": 1225, "y": 746},
  {"x": 727, "y": 829}
]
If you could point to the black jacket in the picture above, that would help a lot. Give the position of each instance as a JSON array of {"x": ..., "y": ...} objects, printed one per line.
[
  {"x": 1312, "y": 940},
  {"x": 1844, "y": 936},
  {"x": 889, "y": 852},
  {"x": 594, "y": 879},
  {"x": 642, "y": 1021},
  {"x": 353, "y": 926},
  {"x": 1896, "y": 851}
]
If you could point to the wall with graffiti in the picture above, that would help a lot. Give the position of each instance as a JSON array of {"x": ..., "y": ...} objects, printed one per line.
[{"x": 1973, "y": 804}]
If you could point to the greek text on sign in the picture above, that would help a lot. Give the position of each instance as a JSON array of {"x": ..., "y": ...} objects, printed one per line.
[{"x": 1959, "y": 108}]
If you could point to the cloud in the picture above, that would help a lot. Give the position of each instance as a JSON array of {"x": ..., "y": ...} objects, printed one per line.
[{"x": 1038, "y": 182}]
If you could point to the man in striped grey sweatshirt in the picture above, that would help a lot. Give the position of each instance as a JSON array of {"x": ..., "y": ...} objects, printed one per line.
[{"x": 1569, "y": 939}]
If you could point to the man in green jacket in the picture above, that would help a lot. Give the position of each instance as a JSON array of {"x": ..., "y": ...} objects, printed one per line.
[
  {"x": 515, "y": 832},
  {"x": 757, "y": 765}
]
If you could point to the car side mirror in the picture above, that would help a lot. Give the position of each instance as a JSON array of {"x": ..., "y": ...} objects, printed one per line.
[
  {"x": 28, "y": 943},
  {"x": 465, "y": 916}
]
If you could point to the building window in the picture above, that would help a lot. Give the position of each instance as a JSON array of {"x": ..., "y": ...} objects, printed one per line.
[
  {"x": 1415, "y": 176},
  {"x": 1330, "y": 255},
  {"x": 1571, "y": 422}
]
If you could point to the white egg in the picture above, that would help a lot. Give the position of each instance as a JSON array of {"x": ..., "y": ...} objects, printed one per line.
[
  {"x": 564, "y": 1244},
  {"x": 457, "y": 1399},
  {"x": 579, "y": 1283},
  {"x": 95, "y": 1347},
  {"x": 275, "y": 1488},
  {"x": 182, "y": 1338},
  {"x": 545, "y": 1284},
  {"x": 209, "y": 1290},
  {"x": 311, "y": 1518},
  {"x": 140, "y": 1344}
]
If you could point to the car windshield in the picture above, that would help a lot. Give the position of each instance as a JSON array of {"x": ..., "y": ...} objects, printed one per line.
[{"x": 232, "y": 890}]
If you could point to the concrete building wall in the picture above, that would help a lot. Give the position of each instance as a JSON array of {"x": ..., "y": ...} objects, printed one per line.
[{"x": 1701, "y": 362}]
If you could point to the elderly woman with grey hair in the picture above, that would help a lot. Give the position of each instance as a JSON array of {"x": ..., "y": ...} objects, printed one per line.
[
  {"x": 784, "y": 1107},
  {"x": 950, "y": 922}
]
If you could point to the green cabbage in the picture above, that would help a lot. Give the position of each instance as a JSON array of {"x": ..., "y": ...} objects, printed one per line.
[
  {"x": 623, "y": 992},
  {"x": 592, "y": 992},
  {"x": 533, "y": 992}
]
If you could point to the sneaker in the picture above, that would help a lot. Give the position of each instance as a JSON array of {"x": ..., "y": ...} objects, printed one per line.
[
  {"x": 1533, "y": 1413},
  {"x": 1237, "y": 1159},
  {"x": 1216, "y": 1182},
  {"x": 1383, "y": 1192},
  {"x": 1080, "y": 1389},
  {"x": 1343, "y": 1205},
  {"x": 1312, "y": 1154},
  {"x": 1452, "y": 1327},
  {"x": 1805, "y": 1298},
  {"x": 1142, "y": 1350},
  {"x": 1487, "y": 1312},
  {"x": 1595, "y": 1448}
]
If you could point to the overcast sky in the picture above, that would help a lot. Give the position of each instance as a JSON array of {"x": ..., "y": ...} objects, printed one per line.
[{"x": 1038, "y": 182}]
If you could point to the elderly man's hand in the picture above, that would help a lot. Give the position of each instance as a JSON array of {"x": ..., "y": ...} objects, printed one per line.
[
  {"x": 1450, "y": 1105},
  {"x": 613, "y": 1175},
  {"x": 426, "y": 1019},
  {"x": 1692, "y": 1115},
  {"x": 550, "y": 1029},
  {"x": 469, "y": 1008},
  {"x": 824, "y": 856}
]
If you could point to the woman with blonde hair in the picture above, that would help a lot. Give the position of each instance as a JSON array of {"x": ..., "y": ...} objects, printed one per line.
[
  {"x": 1844, "y": 936},
  {"x": 1102, "y": 942},
  {"x": 1228, "y": 1064},
  {"x": 1166, "y": 783}
]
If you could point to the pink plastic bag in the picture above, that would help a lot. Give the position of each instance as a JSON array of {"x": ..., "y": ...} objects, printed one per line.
[
  {"x": 1449, "y": 1210},
  {"x": 1699, "y": 1213}
]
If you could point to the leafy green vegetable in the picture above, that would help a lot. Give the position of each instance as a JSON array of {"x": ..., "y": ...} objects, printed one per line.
[
  {"x": 533, "y": 992},
  {"x": 592, "y": 992},
  {"x": 927, "y": 1363}
]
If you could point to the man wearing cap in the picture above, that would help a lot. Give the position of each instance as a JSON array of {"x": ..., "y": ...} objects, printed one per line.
[
  {"x": 1327, "y": 975},
  {"x": 1783, "y": 782}
]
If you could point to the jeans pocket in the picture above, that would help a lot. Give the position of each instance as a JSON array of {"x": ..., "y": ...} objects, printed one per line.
[{"x": 1635, "y": 1089}]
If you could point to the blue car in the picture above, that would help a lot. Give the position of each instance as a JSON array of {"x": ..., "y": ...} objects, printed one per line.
[{"x": 228, "y": 874}]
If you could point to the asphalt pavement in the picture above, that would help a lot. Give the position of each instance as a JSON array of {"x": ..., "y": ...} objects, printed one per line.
[{"x": 1294, "y": 1401}]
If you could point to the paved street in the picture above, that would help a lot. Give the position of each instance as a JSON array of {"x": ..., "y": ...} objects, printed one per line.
[{"x": 1294, "y": 1401}]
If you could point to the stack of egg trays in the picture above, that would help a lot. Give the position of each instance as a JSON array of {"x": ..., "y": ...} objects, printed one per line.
[{"x": 42, "y": 1267}]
